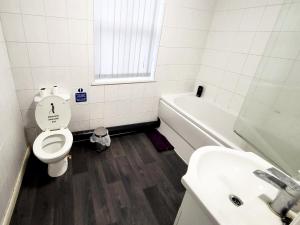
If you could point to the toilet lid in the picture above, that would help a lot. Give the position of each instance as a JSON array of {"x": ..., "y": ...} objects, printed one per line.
[{"x": 52, "y": 113}]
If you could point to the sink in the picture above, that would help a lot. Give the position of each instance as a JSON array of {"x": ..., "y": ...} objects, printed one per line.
[{"x": 215, "y": 173}]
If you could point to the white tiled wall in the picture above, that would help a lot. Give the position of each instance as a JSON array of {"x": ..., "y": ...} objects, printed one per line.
[
  {"x": 50, "y": 42},
  {"x": 184, "y": 33},
  {"x": 221, "y": 43},
  {"x": 239, "y": 33},
  {"x": 12, "y": 140}
]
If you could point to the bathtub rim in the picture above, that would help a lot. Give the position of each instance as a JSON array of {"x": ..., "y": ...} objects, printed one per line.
[{"x": 169, "y": 101}]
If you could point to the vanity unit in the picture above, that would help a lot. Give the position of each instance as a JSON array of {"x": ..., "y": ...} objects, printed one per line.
[{"x": 226, "y": 187}]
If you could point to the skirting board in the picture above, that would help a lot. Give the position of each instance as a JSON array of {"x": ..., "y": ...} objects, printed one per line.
[
  {"x": 119, "y": 130},
  {"x": 14, "y": 196}
]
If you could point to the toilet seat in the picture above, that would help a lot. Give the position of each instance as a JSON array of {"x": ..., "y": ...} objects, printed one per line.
[
  {"x": 47, "y": 157},
  {"x": 53, "y": 115}
]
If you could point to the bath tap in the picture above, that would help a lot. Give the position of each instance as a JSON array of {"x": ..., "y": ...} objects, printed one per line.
[{"x": 289, "y": 190}]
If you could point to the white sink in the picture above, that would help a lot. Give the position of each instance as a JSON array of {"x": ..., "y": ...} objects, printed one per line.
[{"x": 214, "y": 173}]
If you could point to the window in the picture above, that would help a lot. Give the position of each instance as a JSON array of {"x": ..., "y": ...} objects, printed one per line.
[{"x": 127, "y": 34}]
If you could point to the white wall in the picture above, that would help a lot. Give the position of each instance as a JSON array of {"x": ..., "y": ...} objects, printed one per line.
[
  {"x": 186, "y": 25},
  {"x": 12, "y": 140},
  {"x": 237, "y": 38},
  {"x": 50, "y": 42}
]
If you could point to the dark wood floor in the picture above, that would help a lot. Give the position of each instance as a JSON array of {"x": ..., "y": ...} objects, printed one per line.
[{"x": 130, "y": 184}]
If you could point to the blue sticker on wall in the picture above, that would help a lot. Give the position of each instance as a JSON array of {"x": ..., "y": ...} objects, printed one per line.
[{"x": 80, "y": 96}]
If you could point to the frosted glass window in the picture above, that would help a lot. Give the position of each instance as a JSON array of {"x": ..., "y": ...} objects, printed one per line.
[{"x": 127, "y": 34}]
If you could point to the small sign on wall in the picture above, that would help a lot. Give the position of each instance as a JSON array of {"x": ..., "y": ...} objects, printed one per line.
[{"x": 80, "y": 96}]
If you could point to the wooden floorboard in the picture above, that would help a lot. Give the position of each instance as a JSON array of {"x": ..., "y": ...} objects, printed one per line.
[
  {"x": 129, "y": 184},
  {"x": 159, "y": 206}
]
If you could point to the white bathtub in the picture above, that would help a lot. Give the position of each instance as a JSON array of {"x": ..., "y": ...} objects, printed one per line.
[{"x": 190, "y": 122}]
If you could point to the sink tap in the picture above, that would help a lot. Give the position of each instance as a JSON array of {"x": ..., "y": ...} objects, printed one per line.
[{"x": 289, "y": 190}]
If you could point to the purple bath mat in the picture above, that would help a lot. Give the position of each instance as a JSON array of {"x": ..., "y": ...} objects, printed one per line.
[{"x": 159, "y": 141}]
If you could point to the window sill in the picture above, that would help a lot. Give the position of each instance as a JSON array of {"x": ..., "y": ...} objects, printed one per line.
[{"x": 123, "y": 81}]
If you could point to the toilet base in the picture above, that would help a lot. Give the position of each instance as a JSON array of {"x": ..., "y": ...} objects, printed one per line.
[{"x": 59, "y": 168}]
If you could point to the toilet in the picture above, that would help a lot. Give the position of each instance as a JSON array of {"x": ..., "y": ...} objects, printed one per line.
[{"x": 52, "y": 146}]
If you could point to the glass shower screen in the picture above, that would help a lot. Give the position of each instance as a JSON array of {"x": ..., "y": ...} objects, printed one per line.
[{"x": 270, "y": 115}]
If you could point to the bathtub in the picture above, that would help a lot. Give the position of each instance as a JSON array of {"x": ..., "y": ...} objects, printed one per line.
[{"x": 190, "y": 122}]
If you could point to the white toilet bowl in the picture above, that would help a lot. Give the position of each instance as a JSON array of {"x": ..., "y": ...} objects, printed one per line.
[{"x": 52, "y": 147}]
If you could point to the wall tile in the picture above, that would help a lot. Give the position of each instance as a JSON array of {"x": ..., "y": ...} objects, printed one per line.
[
  {"x": 270, "y": 18},
  {"x": 111, "y": 92},
  {"x": 211, "y": 75},
  {"x": 11, "y": 6},
  {"x": 236, "y": 62},
  {"x": 33, "y": 7},
  {"x": 214, "y": 58},
  {"x": 173, "y": 37},
  {"x": 275, "y": 69},
  {"x": 198, "y": 4},
  {"x": 39, "y": 54},
  {"x": 35, "y": 28},
  {"x": 60, "y": 76},
  {"x": 223, "y": 98},
  {"x": 28, "y": 118},
  {"x": 95, "y": 123},
  {"x": 31, "y": 134},
  {"x": 18, "y": 54},
  {"x": 26, "y": 98},
  {"x": 77, "y": 9},
  {"x": 286, "y": 46},
  {"x": 59, "y": 54},
  {"x": 251, "y": 19},
  {"x": 255, "y": 3},
  {"x": 23, "y": 78},
  {"x": 79, "y": 55},
  {"x": 97, "y": 111},
  {"x": 179, "y": 56},
  {"x": 220, "y": 40},
  {"x": 79, "y": 77},
  {"x": 12, "y": 27},
  {"x": 41, "y": 77},
  {"x": 176, "y": 72},
  {"x": 78, "y": 31},
  {"x": 243, "y": 85},
  {"x": 138, "y": 90},
  {"x": 111, "y": 109},
  {"x": 90, "y": 33},
  {"x": 243, "y": 42},
  {"x": 291, "y": 18},
  {"x": 125, "y": 91},
  {"x": 151, "y": 90},
  {"x": 294, "y": 78},
  {"x": 236, "y": 104},
  {"x": 229, "y": 81},
  {"x": 186, "y": 18},
  {"x": 259, "y": 44},
  {"x": 80, "y": 112},
  {"x": 56, "y": 8},
  {"x": 3, "y": 58},
  {"x": 251, "y": 65},
  {"x": 79, "y": 125},
  {"x": 233, "y": 56},
  {"x": 96, "y": 94},
  {"x": 57, "y": 29}
]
